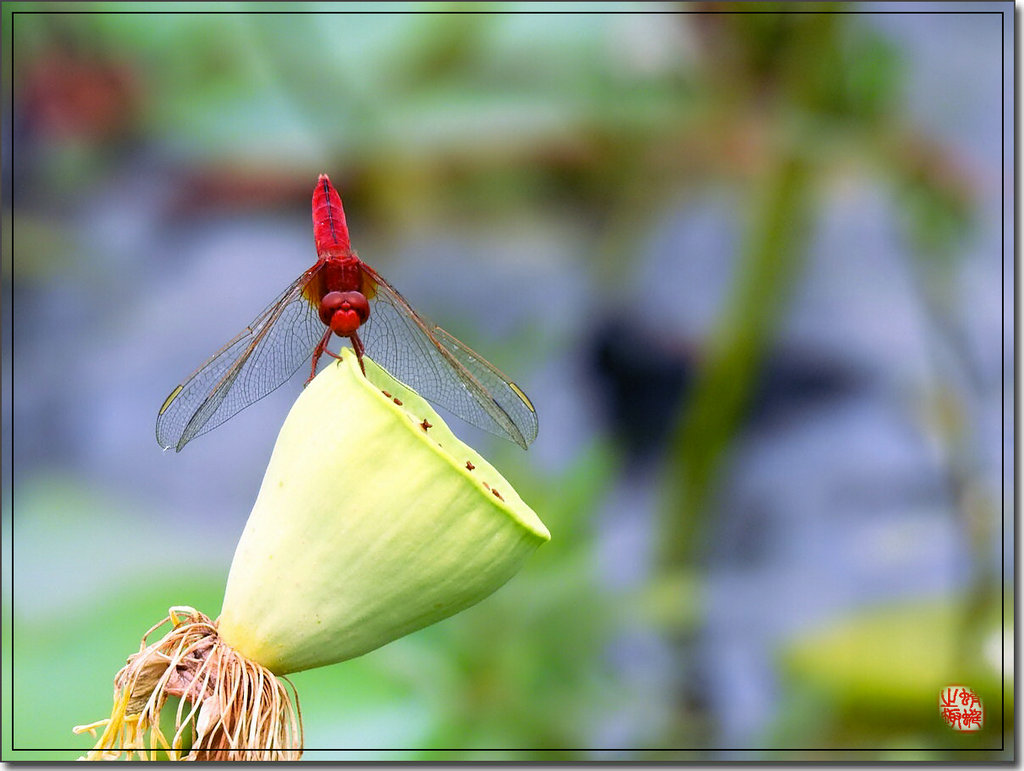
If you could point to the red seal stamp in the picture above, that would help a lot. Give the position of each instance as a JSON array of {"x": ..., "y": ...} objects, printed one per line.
[{"x": 961, "y": 708}]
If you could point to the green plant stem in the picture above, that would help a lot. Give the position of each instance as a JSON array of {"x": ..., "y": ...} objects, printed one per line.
[{"x": 772, "y": 258}]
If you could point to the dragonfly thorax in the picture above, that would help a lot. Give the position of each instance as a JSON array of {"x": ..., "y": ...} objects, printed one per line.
[{"x": 344, "y": 312}]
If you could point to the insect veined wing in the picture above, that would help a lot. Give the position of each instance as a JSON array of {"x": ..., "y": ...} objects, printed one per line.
[
  {"x": 508, "y": 396},
  {"x": 442, "y": 369},
  {"x": 249, "y": 367}
]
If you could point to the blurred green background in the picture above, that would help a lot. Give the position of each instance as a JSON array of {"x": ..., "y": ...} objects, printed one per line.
[{"x": 748, "y": 266}]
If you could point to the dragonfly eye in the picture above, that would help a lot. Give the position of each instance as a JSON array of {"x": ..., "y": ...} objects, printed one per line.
[{"x": 344, "y": 312}]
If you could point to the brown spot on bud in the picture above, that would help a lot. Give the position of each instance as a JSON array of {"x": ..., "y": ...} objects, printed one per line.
[
  {"x": 397, "y": 401},
  {"x": 425, "y": 424},
  {"x": 497, "y": 494},
  {"x": 470, "y": 466},
  {"x": 386, "y": 394}
]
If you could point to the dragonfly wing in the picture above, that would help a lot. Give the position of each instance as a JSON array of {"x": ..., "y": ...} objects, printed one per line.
[
  {"x": 245, "y": 370},
  {"x": 442, "y": 369},
  {"x": 509, "y": 397}
]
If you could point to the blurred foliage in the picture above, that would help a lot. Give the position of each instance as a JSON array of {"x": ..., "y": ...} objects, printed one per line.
[
  {"x": 821, "y": 86},
  {"x": 873, "y": 681},
  {"x": 771, "y": 263}
]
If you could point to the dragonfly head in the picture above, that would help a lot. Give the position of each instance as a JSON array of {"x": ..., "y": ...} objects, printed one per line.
[{"x": 344, "y": 312}]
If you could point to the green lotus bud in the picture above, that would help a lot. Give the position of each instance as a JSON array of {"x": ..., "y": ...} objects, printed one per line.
[{"x": 373, "y": 521}]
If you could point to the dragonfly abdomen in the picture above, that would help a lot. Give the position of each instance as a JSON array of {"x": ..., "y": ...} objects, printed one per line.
[{"x": 329, "y": 228}]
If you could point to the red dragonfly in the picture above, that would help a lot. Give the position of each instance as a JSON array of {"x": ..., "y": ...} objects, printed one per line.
[{"x": 342, "y": 295}]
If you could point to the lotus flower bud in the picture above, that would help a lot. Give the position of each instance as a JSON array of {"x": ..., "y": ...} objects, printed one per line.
[{"x": 373, "y": 521}]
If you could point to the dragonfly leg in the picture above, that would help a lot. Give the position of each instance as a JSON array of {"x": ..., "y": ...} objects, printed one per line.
[
  {"x": 357, "y": 346},
  {"x": 320, "y": 348}
]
